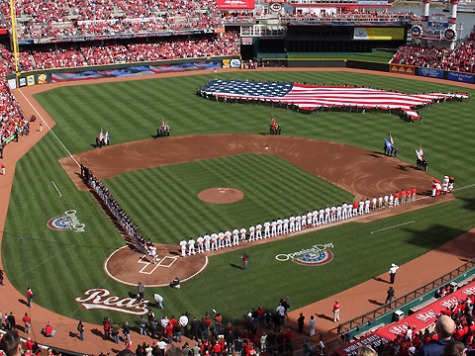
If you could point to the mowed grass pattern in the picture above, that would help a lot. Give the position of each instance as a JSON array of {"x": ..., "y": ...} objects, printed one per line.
[
  {"x": 168, "y": 213},
  {"x": 51, "y": 261}
]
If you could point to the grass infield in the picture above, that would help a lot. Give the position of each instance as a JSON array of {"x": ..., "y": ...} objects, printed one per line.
[{"x": 60, "y": 266}]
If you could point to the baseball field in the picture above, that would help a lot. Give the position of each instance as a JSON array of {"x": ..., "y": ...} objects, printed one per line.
[{"x": 60, "y": 266}]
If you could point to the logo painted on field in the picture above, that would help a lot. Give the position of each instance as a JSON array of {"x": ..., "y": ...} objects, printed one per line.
[
  {"x": 317, "y": 255},
  {"x": 101, "y": 299},
  {"x": 68, "y": 221}
]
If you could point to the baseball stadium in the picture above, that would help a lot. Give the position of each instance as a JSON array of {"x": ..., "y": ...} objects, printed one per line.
[{"x": 236, "y": 177}]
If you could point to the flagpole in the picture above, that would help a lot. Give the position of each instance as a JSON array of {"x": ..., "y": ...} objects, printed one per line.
[{"x": 14, "y": 40}]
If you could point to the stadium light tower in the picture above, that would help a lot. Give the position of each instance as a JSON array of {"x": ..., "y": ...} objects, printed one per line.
[{"x": 14, "y": 39}]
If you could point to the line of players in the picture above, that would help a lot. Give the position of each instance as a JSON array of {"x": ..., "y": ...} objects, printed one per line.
[{"x": 217, "y": 241}]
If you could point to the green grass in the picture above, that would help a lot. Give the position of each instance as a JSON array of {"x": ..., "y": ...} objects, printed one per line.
[{"x": 43, "y": 259}]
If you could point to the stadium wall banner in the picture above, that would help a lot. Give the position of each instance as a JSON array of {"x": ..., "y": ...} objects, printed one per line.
[
  {"x": 132, "y": 71},
  {"x": 421, "y": 319},
  {"x": 378, "y": 33},
  {"x": 430, "y": 72},
  {"x": 236, "y": 4},
  {"x": 461, "y": 77},
  {"x": 403, "y": 69},
  {"x": 30, "y": 79}
]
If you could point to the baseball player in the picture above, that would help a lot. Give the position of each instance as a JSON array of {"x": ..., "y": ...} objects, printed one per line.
[
  {"x": 183, "y": 248},
  {"x": 396, "y": 199},
  {"x": 333, "y": 214},
  {"x": 266, "y": 229},
  {"x": 409, "y": 196},
  {"x": 243, "y": 234},
  {"x": 273, "y": 231},
  {"x": 309, "y": 219},
  {"x": 327, "y": 215},
  {"x": 355, "y": 208},
  {"x": 403, "y": 196},
  {"x": 350, "y": 211},
  {"x": 445, "y": 184},
  {"x": 235, "y": 238},
  {"x": 207, "y": 239},
  {"x": 361, "y": 207},
  {"x": 338, "y": 213},
  {"x": 380, "y": 203},
  {"x": 252, "y": 235},
  {"x": 200, "y": 241},
  {"x": 292, "y": 224},
  {"x": 191, "y": 247},
  {"x": 374, "y": 202},
  {"x": 285, "y": 229},
  {"x": 280, "y": 222},
  {"x": 367, "y": 203},
  {"x": 298, "y": 223},
  {"x": 227, "y": 238},
  {"x": 321, "y": 216},
  {"x": 258, "y": 231},
  {"x": 344, "y": 212},
  {"x": 303, "y": 221},
  {"x": 386, "y": 201},
  {"x": 391, "y": 200},
  {"x": 414, "y": 192},
  {"x": 221, "y": 237},
  {"x": 315, "y": 218},
  {"x": 214, "y": 242}
]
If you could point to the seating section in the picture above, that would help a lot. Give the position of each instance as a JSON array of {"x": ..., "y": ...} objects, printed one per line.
[{"x": 462, "y": 59}]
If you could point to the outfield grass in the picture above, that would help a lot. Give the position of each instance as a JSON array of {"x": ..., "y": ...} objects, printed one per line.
[{"x": 45, "y": 259}]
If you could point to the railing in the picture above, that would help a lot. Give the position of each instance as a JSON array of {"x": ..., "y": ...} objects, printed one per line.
[{"x": 369, "y": 317}]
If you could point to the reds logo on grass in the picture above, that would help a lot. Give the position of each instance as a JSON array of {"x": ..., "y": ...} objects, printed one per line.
[
  {"x": 102, "y": 299},
  {"x": 68, "y": 221},
  {"x": 317, "y": 255}
]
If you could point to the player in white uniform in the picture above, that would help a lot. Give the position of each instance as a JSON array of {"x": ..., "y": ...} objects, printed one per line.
[
  {"x": 298, "y": 223},
  {"x": 266, "y": 229},
  {"x": 235, "y": 237},
  {"x": 242, "y": 232},
  {"x": 361, "y": 207},
  {"x": 227, "y": 238},
  {"x": 221, "y": 238},
  {"x": 191, "y": 247},
  {"x": 327, "y": 215},
  {"x": 350, "y": 211},
  {"x": 338, "y": 213},
  {"x": 309, "y": 219},
  {"x": 367, "y": 203},
  {"x": 273, "y": 231},
  {"x": 374, "y": 203},
  {"x": 380, "y": 203},
  {"x": 344, "y": 211},
  {"x": 280, "y": 222},
  {"x": 207, "y": 239},
  {"x": 292, "y": 224},
  {"x": 258, "y": 231},
  {"x": 285, "y": 229},
  {"x": 252, "y": 233},
  {"x": 214, "y": 242},
  {"x": 200, "y": 241},
  {"x": 303, "y": 221},
  {"x": 386, "y": 201},
  {"x": 391, "y": 200},
  {"x": 321, "y": 216},
  {"x": 315, "y": 218},
  {"x": 183, "y": 244}
]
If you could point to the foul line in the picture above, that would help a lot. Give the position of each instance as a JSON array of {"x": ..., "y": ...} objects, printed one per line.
[
  {"x": 49, "y": 128},
  {"x": 57, "y": 189},
  {"x": 465, "y": 187},
  {"x": 393, "y": 226}
]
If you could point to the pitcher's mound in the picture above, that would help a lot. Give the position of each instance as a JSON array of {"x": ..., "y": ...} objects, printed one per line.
[{"x": 221, "y": 195}]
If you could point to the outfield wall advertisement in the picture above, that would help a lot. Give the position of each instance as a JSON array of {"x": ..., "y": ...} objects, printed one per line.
[
  {"x": 235, "y": 4},
  {"x": 378, "y": 33}
]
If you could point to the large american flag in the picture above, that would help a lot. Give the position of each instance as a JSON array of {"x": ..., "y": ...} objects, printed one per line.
[{"x": 312, "y": 97}]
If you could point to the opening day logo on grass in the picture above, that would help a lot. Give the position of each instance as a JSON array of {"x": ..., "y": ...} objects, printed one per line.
[
  {"x": 101, "y": 299},
  {"x": 68, "y": 221},
  {"x": 316, "y": 255}
]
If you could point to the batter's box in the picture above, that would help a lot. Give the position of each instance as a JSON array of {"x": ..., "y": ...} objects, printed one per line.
[{"x": 167, "y": 261}]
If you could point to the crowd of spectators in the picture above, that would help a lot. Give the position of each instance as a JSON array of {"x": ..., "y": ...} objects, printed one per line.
[
  {"x": 12, "y": 120},
  {"x": 352, "y": 16},
  {"x": 40, "y": 19},
  {"x": 462, "y": 59},
  {"x": 112, "y": 52}
]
